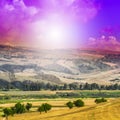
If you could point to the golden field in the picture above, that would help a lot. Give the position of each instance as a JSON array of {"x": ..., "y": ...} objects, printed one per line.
[{"x": 91, "y": 111}]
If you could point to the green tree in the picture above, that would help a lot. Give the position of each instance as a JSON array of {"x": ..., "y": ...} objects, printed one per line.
[
  {"x": 7, "y": 112},
  {"x": 28, "y": 106},
  {"x": 69, "y": 104},
  {"x": 44, "y": 108},
  {"x": 47, "y": 107},
  {"x": 19, "y": 108},
  {"x": 41, "y": 109},
  {"x": 65, "y": 86},
  {"x": 100, "y": 100},
  {"x": 79, "y": 103}
]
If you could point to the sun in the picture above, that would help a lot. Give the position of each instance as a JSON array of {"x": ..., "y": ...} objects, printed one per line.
[
  {"x": 55, "y": 34},
  {"x": 50, "y": 35}
]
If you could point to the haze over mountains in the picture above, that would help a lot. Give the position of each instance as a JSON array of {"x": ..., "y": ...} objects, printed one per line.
[
  {"x": 104, "y": 43},
  {"x": 61, "y": 66}
]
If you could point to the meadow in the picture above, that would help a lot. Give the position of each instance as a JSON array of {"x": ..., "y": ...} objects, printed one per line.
[{"x": 91, "y": 111}]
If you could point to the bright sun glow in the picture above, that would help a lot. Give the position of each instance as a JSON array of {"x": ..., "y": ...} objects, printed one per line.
[
  {"x": 55, "y": 34},
  {"x": 50, "y": 35}
]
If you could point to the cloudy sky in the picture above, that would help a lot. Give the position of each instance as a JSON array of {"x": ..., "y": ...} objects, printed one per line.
[{"x": 57, "y": 23}]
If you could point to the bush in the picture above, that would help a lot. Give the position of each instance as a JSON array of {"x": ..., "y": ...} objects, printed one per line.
[
  {"x": 40, "y": 109},
  {"x": 100, "y": 100},
  {"x": 7, "y": 112},
  {"x": 69, "y": 104},
  {"x": 13, "y": 110},
  {"x": 47, "y": 107},
  {"x": 44, "y": 108},
  {"x": 28, "y": 106},
  {"x": 79, "y": 103},
  {"x": 19, "y": 108}
]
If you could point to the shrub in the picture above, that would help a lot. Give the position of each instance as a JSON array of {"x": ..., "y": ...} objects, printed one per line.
[
  {"x": 13, "y": 110},
  {"x": 47, "y": 107},
  {"x": 44, "y": 107},
  {"x": 28, "y": 106},
  {"x": 41, "y": 109},
  {"x": 100, "y": 100},
  {"x": 69, "y": 104},
  {"x": 7, "y": 112},
  {"x": 79, "y": 103},
  {"x": 19, "y": 108},
  {"x": 104, "y": 100}
]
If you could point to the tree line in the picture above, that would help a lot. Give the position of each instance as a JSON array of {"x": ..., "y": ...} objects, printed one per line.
[
  {"x": 19, "y": 108},
  {"x": 36, "y": 86}
]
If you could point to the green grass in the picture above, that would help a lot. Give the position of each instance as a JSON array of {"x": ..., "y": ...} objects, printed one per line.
[{"x": 11, "y": 96}]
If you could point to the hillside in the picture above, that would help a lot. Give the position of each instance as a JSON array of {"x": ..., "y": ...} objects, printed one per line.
[{"x": 59, "y": 66}]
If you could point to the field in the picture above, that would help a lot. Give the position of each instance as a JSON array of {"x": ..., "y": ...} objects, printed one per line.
[
  {"x": 91, "y": 111},
  {"x": 104, "y": 111}
]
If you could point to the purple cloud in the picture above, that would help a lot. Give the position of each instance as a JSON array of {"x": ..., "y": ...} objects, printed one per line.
[{"x": 18, "y": 16}]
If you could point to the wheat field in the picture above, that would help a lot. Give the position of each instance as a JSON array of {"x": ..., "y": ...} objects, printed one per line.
[{"x": 104, "y": 111}]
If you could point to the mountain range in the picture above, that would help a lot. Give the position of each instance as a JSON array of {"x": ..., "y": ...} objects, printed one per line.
[{"x": 60, "y": 66}]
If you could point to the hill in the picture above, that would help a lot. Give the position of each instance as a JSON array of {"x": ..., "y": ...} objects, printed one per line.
[{"x": 59, "y": 66}]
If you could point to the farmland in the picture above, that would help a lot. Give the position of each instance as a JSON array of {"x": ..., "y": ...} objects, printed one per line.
[
  {"x": 57, "y": 77},
  {"x": 91, "y": 110}
]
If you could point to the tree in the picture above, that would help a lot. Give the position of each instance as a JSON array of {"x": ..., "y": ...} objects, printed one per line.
[
  {"x": 47, "y": 107},
  {"x": 79, "y": 103},
  {"x": 87, "y": 86},
  {"x": 100, "y": 100},
  {"x": 69, "y": 104},
  {"x": 44, "y": 108},
  {"x": 19, "y": 108},
  {"x": 104, "y": 100},
  {"x": 28, "y": 106},
  {"x": 65, "y": 86},
  {"x": 40, "y": 109},
  {"x": 7, "y": 112},
  {"x": 73, "y": 86}
]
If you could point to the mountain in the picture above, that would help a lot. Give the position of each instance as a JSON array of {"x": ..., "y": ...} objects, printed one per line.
[{"x": 59, "y": 66}]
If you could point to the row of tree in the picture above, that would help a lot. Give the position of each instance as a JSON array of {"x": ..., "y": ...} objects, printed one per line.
[
  {"x": 45, "y": 107},
  {"x": 17, "y": 109},
  {"x": 35, "y": 86},
  {"x": 71, "y": 86},
  {"x": 21, "y": 108},
  {"x": 80, "y": 103}
]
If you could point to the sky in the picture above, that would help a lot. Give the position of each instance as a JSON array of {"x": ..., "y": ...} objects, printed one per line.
[{"x": 52, "y": 24}]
